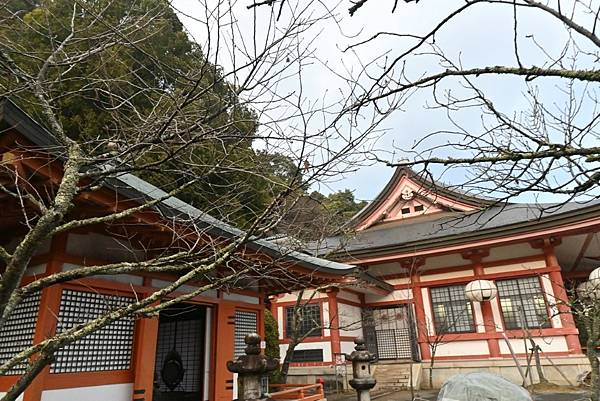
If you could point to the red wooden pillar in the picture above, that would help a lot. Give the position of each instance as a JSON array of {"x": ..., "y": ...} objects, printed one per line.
[
  {"x": 47, "y": 315},
  {"x": 561, "y": 297},
  {"x": 334, "y": 322},
  {"x": 145, "y": 357},
  {"x": 488, "y": 316},
  {"x": 421, "y": 318},
  {"x": 224, "y": 343}
]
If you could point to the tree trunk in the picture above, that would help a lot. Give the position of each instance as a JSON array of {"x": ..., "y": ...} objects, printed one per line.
[
  {"x": 431, "y": 363},
  {"x": 592, "y": 356},
  {"x": 285, "y": 365}
]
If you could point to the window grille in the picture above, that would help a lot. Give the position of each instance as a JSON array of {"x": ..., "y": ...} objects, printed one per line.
[
  {"x": 522, "y": 300},
  {"x": 452, "y": 311},
  {"x": 18, "y": 331},
  {"x": 109, "y": 348},
  {"x": 245, "y": 323},
  {"x": 307, "y": 355},
  {"x": 310, "y": 320}
]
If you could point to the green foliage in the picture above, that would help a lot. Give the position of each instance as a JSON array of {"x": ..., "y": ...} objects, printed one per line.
[
  {"x": 130, "y": 87},
  {"x": 272, "y": 344},
  {"x": 316, "y": 216},
  {"x": 271, "y": 335},
  {"x": 119, "y": 79}
]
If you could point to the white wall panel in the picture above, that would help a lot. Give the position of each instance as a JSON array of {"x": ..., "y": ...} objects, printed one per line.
[
  {"x": 350, "y": 320},
  {"x": 446, "y": 276},
  {"x": 396, "y": 295},
  {"x": 547, "y": 344},
  {"x": 325, "y": 319},
  {"x": 112, "y": 392},
  {"x": 459, "y": 348},
  {"x": 280, "y": 321},
  {"x": 242, "y": 298},
  {"x": 552, "y": 306},
  {"x": 324, "y": 345},
  {"x": 349, "y": 296}
]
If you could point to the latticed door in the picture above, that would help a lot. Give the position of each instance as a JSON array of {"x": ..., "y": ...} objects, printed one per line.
[{"x": 389, "y": 332}]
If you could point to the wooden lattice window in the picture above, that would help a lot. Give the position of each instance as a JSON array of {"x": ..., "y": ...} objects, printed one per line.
[
  {"x": 18, "y": 331},
  {"x": 245, "y": 323},
  {"x": 109, "y": 348},
  {"x": 452, "y": 311},
  {"x": 310, "y": 316},
  {"x": 523, "y": 302}
]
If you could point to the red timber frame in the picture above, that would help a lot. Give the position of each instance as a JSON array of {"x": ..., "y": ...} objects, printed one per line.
[
  {"x": 334, "y": 338},
  {"x": 141, "y": 372},
  {"x": 23, "y": 155},
  {"x": 490, "y": 335}
]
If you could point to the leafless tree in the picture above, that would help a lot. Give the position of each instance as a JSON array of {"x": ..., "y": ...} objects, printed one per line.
[
  {"x": 545, "y": 145},
  {"x": 156, "y": 118}
]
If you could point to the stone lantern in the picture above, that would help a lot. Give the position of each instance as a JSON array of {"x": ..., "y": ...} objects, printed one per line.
[
  {"x": 361, "y": 359},
  {"x": 251, "y": 368},
  {"x": 481, "y": 290}
]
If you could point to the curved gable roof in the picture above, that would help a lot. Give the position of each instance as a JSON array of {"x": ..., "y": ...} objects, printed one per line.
[{"x": 403, "y": 188}]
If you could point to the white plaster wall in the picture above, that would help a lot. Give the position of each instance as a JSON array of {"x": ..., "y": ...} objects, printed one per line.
[
  {"x": 347, "y": 347},
  {"x": 325, "y": 319},
  {"x": 552, "y": 304},
  {"x": 511, "y": 251},
  {"x": 280, "y": 321},
  {"x": 459, "y": 348},
  {"x": 112, "y": 392},
  {"x": 547, "y": 344},
  {"x": 36, "y": 269},
  {"x": 497, "y": 315},
  {"x": 350, "y": 318},
  {"x": 349, "y": 296},
  {"x": 448, "y": 275},
  {"x": 292, "y": 297},
  {"x": 537, "y": 264},
  {"x": 242, "y": 298},
  {"x": 119, "y": 278},
  {"x": 101, "y": 247},
  {"x": 428, "y": 312},
  {"x": 324, "y": 345},
  {"x": 401, "y": 280},
  {"x": 19, "y": 398},
  {"x": 479, "y": 322},
  {"x": 184, "y": 288},
  {"x": 396, "y": 295},
  {"x": 435, "y": 262}
]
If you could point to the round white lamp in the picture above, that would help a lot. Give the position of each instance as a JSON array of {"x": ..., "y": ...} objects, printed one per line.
[
  {"x": 591, "y": 288},
  {"x": 481, "y": 290},
  {"x": 584, "y": 290},
  {"x": 595, "y": 278}
]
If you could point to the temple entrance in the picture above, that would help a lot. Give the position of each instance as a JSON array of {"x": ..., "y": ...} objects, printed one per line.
[
  {"x": 180, "y": 353},
  {"x": 390, "y": 332}
]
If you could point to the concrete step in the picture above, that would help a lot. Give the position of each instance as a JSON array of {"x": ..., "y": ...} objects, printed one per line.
[{"x": 395, "y": 376}]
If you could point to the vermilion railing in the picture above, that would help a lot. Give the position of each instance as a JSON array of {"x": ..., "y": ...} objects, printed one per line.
[{"x": 298, "y": 392}]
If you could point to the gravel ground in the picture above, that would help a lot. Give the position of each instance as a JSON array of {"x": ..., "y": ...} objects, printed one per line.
[{"x": 432, "y": 396}]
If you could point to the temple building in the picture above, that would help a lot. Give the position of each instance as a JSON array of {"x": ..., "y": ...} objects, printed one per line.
[
  {"x": 181, "y": 354},
  {"x": 425, "y": 241}
]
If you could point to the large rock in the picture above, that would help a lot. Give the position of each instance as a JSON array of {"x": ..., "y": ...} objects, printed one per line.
[{"x": 481, "y": 387}]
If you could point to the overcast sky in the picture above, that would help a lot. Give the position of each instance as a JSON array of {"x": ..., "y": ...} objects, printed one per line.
[{"x": 481, "y": 37}]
